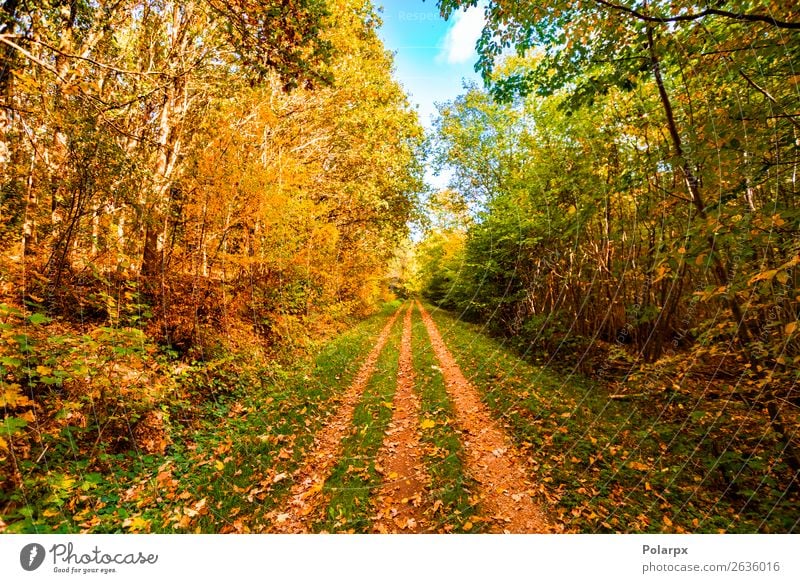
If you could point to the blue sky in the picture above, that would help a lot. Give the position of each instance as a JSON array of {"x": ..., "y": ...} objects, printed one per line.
[{"x": 433, "y": 57}]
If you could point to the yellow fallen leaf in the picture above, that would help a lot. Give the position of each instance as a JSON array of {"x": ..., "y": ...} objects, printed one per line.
[
  {"x": 182, "y": 522},
  {"x": 137, "y": 523},
  {"x": 306, "y": 509},
  {"x": 638, "y": 466},
  {"x": 317, "y": 487},
  {"x": 427, "y": 424},
  {"x": 467, "y": 525},
  {"x": 219, "y": 465}
]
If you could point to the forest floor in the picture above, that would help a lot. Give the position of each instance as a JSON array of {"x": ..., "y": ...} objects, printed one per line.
[{"x": 410, "y": 422}]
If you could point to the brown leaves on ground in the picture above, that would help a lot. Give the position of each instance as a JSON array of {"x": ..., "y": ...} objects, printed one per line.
[
  {"x": 500, "y": 470},
  {"x": 310, "y": 478},
  {"x": 149, "y": 433}
]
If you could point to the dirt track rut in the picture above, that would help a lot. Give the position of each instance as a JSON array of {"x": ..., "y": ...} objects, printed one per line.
[
  {"x": 506, "y": 501},
  {"x": 401, "y": 497}
]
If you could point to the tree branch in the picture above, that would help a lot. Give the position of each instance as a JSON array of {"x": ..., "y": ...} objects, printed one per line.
[
  {"x": 6, "y": 39},
  {"x": 766, "y": 94},
  {"x": 93, "y": 62},
  {"x": 698, "y": 15}
]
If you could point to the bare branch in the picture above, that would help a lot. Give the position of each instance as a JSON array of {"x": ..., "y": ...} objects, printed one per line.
[
  {"x": 96, "y": 63},
  {"x": 744, "y": 17}
]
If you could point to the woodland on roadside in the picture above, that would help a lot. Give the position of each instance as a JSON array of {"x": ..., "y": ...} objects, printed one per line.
[
  {"x": 184, "y": 185},
  {"x": 624, "y": 204},
  {"x": 200, "y": 198}
]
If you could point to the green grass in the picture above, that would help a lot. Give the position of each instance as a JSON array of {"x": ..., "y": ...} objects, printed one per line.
[
  {"x": 451, "y": 488},
  {"x": 354, "y": 478},
  {"x": 223, "y": 469},
  {"x": 624, "y": 466}
]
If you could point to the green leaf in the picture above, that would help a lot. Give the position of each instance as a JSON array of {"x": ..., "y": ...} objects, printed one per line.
[
  {"x": 38, "y": 319},
  {"x": 12, "y": 425}
]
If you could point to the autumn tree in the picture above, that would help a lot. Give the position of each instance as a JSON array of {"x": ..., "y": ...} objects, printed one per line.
[{"x": 143, "y": 136}]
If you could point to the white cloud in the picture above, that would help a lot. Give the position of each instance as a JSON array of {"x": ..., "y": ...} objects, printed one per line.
[{"x": 459, "y": 42}]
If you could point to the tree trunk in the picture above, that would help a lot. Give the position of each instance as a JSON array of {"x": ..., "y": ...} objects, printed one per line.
[
  {"x": 744, "y": 333},
  {"x": 693, "y": 186},
  {"x": 171, "y": 120}
]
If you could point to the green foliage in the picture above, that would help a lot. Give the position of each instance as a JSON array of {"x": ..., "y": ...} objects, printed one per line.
[
  {"x": 609, "y": 39},
  {"x": 580, "y": 217},
  {"x": 440, "y": 258}
]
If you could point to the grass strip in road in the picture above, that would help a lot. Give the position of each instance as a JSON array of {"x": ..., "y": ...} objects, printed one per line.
[
  {"x": 612, "y": 465},
  {"x": 452, "y": 489},
  {"x": 350, "y": 485}
]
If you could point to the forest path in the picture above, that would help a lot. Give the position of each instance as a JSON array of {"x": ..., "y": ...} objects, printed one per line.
[
  {"x": 399, "y": 494},
  {"x": 401, "y": 498},
  {"x": 505, "y": 490}
]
